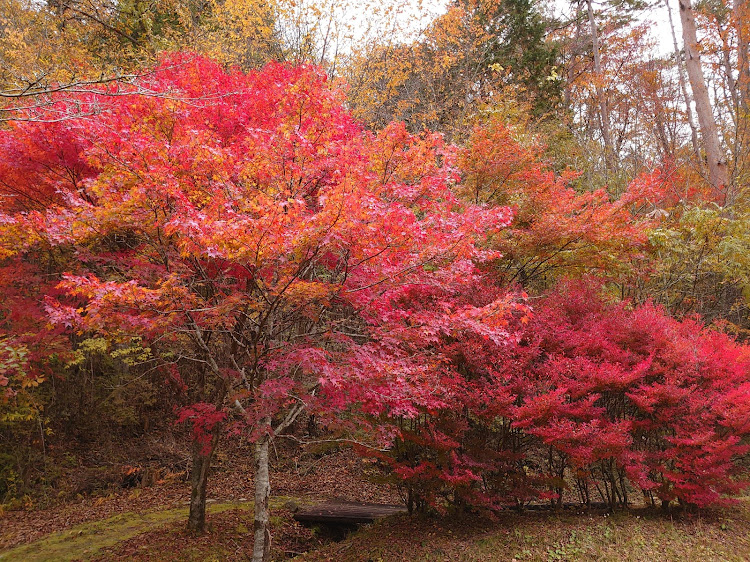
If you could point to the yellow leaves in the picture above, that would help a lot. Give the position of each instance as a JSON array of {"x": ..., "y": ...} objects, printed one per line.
[
  {"x": 29, "y": 382},
  {"x": 310, "y": 296},
  {"x": 553, "y": 76},
  {"x": 132, "y": 352},
  {"x": 240, "y": 32},
  {"x": 21, "y": 416},
  {"x": 17, "y": 378},
  {"x": 36, "y": 46},
  {"x": 87, "y": 348},
  {"x": 435, "y": 82},
  {"x": 15, "y": 236}
]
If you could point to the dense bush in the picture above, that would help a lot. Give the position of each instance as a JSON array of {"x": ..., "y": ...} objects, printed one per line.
[{"x": 593, "y": 400}]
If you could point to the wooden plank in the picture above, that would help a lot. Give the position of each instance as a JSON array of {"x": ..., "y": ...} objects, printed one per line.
[{"x": 346, "y": 513}]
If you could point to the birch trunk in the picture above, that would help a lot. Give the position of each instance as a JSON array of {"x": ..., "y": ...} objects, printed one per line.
[
  {"x": 575, "y": 52},
  {"x": 609, "y": 152},
  {"x": 261, "y": 526},
  {"x": 683, "y": 87},
  {"x": 717, "y": 164}
]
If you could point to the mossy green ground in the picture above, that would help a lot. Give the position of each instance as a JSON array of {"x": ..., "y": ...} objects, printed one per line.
[{"x": 85, "y": 541}]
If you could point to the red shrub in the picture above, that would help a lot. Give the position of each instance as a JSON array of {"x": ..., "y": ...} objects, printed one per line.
[{"x": 595, "y": 397}]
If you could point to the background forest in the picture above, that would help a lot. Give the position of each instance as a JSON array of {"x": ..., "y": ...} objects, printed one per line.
[{"x": 501, "y": 252}]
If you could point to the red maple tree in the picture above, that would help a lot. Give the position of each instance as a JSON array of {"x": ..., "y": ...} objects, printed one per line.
[{"x": 251, "y": 240}]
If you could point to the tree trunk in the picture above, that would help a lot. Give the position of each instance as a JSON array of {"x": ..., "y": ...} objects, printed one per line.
[
  {"x": 261, "y": 527},
  {"x": 728, "y": 70},
  {"x": 199, "y": 482},
  {"x": 717, "y": 165},
  {"x": 575, "y": 51},
  {"x": 741, "y": 14},
  {"x": 683, "y": 87},
  {"x": 609, "y": 151}
]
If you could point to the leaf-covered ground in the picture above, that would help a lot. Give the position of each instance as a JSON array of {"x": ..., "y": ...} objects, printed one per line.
[
  {"x": 633, "y": 536},
  {"x": 638, "y": 535},
  {"x": 149, "y": 524},
  {"x": 86, "y": 524}
]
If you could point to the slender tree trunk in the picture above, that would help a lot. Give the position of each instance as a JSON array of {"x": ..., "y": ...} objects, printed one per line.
[
  {"x": 199, "y": 481},
  {"x": 575, "y": 52},
  {"x": 731, "y": 83},
  {"x": 717, "y": 165},
  {"x": 683, "y": 87},
  {"x": 609, "y": 152},
  {"x": 660, "y": 130},
  {"x": 261, "y": 526},
  {"x": 741, "y": 21},
  {"x": 741, "y": 15}
]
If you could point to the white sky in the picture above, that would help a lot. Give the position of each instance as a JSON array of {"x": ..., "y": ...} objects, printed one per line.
[{"x": 657, "y": 16}]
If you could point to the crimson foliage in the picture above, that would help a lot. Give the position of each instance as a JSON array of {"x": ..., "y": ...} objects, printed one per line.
[
  {"x": 242, "y": 236},
  {"x": 593, "y": 400}
]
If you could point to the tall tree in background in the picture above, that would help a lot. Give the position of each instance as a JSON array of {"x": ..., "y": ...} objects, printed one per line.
[
  {"x": 516, "y": 33},
  {"x": 465, "y": 60},
  {"x": 716, "y": 159},
  {"x": 741, "y": 20},
  {"x": 679, "y": 63},
  {"x": 604, "y": 122},
  {"x": 69, "y": 44}
]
